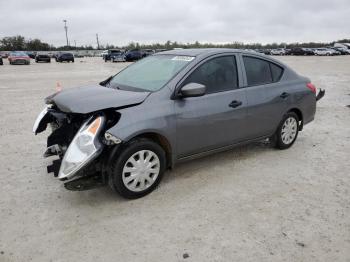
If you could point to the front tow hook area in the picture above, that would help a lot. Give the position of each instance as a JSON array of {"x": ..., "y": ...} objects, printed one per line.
[
  {"x": 85, "y": 183},
  {"x": 320, "y": 94}
]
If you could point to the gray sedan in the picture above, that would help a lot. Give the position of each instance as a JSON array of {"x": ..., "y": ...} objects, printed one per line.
[{"x": 170, "y": 107}]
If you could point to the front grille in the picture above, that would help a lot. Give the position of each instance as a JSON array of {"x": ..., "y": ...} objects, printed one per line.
[{"x": 20, "y": 61}]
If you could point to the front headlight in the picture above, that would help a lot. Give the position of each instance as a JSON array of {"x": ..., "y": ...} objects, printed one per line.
[{"x": 84, "y": 147}]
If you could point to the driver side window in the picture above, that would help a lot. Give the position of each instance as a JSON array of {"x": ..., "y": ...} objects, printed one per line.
[{"x": 218, "y": 74}]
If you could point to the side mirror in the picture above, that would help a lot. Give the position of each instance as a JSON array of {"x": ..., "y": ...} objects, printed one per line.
[
  {"x": 105, "y": 82},
  {"x": 192, "y": 90}
]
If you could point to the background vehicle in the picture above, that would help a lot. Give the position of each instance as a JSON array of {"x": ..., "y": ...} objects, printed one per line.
[
  {"x": 65, "y": 57},
  {"x": 103, "y": 53},
  {"x": 31, "y": 54},
  {"x": 263, "y": 51},
  {"x": 4, "y": 55},
  {"x": 42, "y": 58},
  {"x": 147, "y": 52},
  {"x": 342, "y": 50},
  {"x": 171, "y": 107},
  {"x": 326, "y": 51},
  {"x": 110, "y": 53},
  {"x": 279, "y": 51},
  {"x": 134, "y": 55},
  {"x": 1, "y": 62},
  {"x": 301, "y": 51},
  {"x": 117, "y": 56},
  {"x": 18, "y": 58}
]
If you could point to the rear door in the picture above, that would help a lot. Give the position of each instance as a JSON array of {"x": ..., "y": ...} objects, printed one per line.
[
  {"x": 267, "y": 97},
  {"x": 216, "y": 119}
]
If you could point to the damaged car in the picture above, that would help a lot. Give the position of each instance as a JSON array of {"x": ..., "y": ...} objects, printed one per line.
[{"x": 173, "y": 106}]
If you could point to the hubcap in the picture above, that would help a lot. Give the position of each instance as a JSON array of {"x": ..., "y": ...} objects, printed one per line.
[
  {"x": 289, "y": 130},
  {"x": 141, "y": 170}
]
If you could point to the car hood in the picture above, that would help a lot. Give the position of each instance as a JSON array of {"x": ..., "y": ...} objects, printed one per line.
[{"x": 87, "y": 99}]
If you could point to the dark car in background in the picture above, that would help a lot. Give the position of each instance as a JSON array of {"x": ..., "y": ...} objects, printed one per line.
[
  {"x": 112, "y": 53},
  {"x": 42, "y": 58},
  {"x": 31, "y": 54},
  {"x": 65, "y": 57},
  {"x": 117, "y": 56},
  {"x": 168, "y": 108},
  {"x": 134, "y": 55},
  {"x": 19, "y": 58},
  {"x": 301, "y": 51}
]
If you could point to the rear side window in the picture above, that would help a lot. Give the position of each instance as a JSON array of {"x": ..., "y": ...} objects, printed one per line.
[
  {"x": 276, "y": 72},
  {"x": 218, "y": 74},
  {"x": 260, "y": 71}
]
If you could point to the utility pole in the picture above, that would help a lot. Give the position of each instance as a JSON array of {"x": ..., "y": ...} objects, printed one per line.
[
  {"x": 75, "y": 44},
  {"x": 66, "y": 29},
  {"x": 98, "y": 43}
]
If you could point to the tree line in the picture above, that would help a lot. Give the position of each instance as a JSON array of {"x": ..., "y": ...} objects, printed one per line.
[{"x": 20, "y": 43}]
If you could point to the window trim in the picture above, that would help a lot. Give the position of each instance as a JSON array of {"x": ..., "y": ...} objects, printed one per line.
[
  {"x": 266, "y": 60},
  {"x": 180, "y": 83}
]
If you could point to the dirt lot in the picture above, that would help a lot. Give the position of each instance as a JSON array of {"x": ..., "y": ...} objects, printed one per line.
[{"x": 250, "y": 204}]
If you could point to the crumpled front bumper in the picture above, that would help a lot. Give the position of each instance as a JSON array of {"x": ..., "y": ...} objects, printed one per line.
[{"x": 58, "y": 142}]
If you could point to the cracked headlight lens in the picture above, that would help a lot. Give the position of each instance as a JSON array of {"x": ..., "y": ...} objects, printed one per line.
[{"x": 84, "y": 147}]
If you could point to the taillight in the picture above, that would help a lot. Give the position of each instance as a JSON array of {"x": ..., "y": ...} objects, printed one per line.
[{"x": 311, "y": 87}]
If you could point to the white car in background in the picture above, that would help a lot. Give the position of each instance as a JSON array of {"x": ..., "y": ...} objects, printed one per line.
[
  {"x": 278, "y": 51},
  {"x": 104, "y": 53},
  {"x": 326, "y": 51}
]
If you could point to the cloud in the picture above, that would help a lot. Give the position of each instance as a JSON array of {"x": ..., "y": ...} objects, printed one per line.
[{"x": 120, "y": 22}]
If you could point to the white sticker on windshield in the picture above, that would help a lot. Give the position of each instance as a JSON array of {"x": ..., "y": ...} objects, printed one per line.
[{"x": 183, "y": 58}]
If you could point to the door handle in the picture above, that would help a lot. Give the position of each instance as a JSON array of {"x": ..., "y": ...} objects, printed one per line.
[
  {"x": 284, "y": 95},
  {"x": 235, "y": 104}
]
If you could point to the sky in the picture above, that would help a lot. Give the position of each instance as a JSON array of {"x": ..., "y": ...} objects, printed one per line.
[{"x": 120, "y": 22}]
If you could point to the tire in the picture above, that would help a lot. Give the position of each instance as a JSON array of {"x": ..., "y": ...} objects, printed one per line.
[
  {"x": 287, "y": 131},
  {"x": 123, "y": 160},
  {"x": 73, "y": 61}
]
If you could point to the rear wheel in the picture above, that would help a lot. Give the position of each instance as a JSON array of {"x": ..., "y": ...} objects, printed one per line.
[
  {"x": 138, "y": 169},
  {"x": 287, "y": 132}
]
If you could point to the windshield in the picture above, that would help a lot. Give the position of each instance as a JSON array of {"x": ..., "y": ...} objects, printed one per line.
[
  {"x": 18, "y": 54},
  {"x": 151, "y": 73}
]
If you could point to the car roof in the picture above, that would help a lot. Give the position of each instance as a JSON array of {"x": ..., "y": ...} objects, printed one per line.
[
  {"x": 205, "y": 52},
  {"x": 200, "y": 51}
]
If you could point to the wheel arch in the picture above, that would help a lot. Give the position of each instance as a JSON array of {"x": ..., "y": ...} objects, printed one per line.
[
  {"x": 158, "y": 138},
  {"x": 298, "y": 112}
]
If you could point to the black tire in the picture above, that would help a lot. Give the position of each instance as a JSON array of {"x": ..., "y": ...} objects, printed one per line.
[
  {"x": 73, "y": 61},
  {"x": 120, "y": 159},
  {"x": 277, "y": 139}
]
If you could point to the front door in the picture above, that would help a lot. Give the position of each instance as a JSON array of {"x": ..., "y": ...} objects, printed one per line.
[{"x": 216, "y": 119}]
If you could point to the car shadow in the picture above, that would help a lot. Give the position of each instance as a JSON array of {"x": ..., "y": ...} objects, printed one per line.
[{"x": 237, "y": 154}]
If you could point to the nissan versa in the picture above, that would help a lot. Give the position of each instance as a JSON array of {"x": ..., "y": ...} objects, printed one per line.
[{"x": 169, "y": 107}]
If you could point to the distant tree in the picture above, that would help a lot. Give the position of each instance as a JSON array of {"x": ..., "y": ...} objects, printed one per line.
[
  {"x": 12, "y": 43},
  {"x": 37, "y": 45}
]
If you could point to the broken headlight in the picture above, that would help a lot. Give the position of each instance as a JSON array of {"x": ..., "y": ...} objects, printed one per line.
[{"x": 84, "y": 147}]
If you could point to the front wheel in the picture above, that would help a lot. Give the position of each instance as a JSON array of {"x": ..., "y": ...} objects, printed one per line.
[
  {"x": 287, "y": 132},
  {"x": 138, "y": 169}
]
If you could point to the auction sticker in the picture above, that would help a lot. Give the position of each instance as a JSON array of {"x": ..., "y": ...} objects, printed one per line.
[{"x": 183, "y": 58}]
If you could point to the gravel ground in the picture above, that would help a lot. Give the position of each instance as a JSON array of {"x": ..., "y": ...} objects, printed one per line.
[{"x": 253, "y": 203}]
